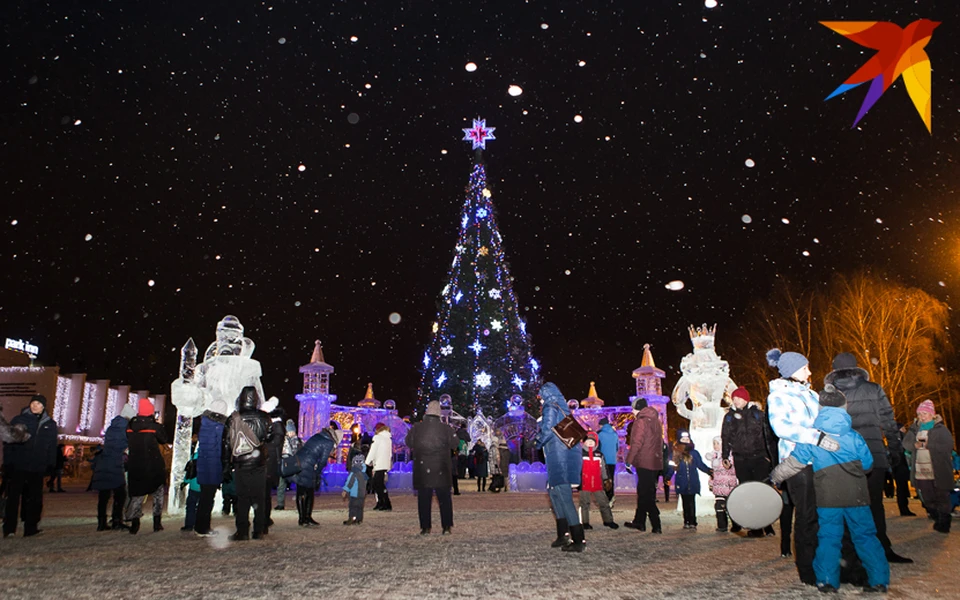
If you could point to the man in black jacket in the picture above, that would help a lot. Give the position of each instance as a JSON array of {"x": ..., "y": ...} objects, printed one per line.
[
  {"x": 25, "y": 464},
  {"x": 872, "y": 416},
  {"x": 431, "y": 442},
  {"x": 745, "y": 436},
  {"x": 248, "y": 430}
]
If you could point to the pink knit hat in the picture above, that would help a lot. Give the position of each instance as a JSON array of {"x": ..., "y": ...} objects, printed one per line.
[{"x": 927, "y": 407}]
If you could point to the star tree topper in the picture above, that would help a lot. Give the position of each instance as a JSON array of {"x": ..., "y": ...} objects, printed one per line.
[{"x": 479, "y": 134}]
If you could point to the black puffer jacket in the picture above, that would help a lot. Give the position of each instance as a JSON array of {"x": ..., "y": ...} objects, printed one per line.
[
  {"x": 146, "y": 469},
  {"x": 274, "y": 450},
  {"x": 39, "y": 453},
  {"x": 870, "y": 410},
  {"x": 431, "y": 441},
  {"x": 745, "y": 433},
  {"x": 259, "y": 424}
]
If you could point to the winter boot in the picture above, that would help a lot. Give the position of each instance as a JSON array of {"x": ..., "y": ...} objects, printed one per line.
[
  {"x": 101, "y": 523},
  {"x": 308, "y": 516},
  {"x": 943, "y": 522},
  {"x": 387, "y": 505},
  {"x": 722, "y": 521},
  {"x": 157, "y": 526},
  {"x": 134, "y": 526},
  {"x": 117, "y": 524},
  {"x": 735, "y": 527},
  {"x": 563, "y": 536},
  {"x": 655, "y": 524},
  {"x": 576, "y": 533}
]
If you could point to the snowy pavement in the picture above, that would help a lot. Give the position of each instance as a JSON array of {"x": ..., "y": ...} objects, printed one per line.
[{"x": 500, "y": 548}]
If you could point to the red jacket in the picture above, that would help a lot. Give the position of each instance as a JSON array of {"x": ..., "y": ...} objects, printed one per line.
[
  {"x": 646, "y": 441},
  {"x": 594, "y": 471}
]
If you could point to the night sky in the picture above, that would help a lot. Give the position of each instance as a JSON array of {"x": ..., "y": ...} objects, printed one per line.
[{"x": 152, "y": 180}]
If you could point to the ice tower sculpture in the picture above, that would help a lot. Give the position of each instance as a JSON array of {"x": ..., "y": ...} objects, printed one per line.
[
  {"x": 316, "y": 398},
  {"x": 226, "y": 369},
  {"x": 699, "y": 396}
]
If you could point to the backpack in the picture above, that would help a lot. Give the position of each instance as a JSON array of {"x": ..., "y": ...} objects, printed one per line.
[{"x": 242, "y": 439}]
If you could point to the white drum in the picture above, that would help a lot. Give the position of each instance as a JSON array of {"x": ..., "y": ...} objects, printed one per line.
[{"x": 754, "y": 505}]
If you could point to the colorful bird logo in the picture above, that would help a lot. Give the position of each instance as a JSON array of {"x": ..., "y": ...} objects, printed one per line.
[{"x": 900, "y": 52}]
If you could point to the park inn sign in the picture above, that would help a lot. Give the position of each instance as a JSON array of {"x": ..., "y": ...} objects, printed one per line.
[{"x": 22, "y": 346}]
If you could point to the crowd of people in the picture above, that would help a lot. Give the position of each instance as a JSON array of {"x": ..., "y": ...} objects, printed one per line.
[{"x": 830, "y": 453}]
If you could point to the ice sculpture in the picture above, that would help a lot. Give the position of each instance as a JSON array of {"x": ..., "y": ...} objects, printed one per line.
[
  {"x": 226, "y": 369},
  {"x": 705, "y": 384},
  {"x": 481, "y": 428}
]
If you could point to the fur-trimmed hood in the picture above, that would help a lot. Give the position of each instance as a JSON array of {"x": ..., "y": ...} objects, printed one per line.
[{"x": 846, "y": 379}]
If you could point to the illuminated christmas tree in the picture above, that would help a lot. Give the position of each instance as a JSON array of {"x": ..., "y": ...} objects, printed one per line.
[{"x": 479, "y": 352}]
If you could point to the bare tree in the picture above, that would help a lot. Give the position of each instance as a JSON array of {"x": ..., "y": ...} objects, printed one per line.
[{"x": 897, "y": 333}]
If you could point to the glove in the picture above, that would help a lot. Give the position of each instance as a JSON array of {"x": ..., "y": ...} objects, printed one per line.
[{"x": 828, "y": 443}]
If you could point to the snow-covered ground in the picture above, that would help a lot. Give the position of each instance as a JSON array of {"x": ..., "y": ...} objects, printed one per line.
[{"x": 500, "y": 548}]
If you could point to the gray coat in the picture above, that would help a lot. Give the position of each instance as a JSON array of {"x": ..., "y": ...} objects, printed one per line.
[
  {"x": 940, "y": 445},
  {"x": 870, "y": 410},
  {"x": 431, "y": 442}
]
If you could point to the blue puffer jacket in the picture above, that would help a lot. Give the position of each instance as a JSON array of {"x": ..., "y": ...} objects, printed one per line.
[
  {"x": 609, "y": 444},
  {"x": 688, "y": 480},
  {"x": 563, "y": 464},
  {"x": 313, "y": 458},
  {"x": 839, "y": 477},
  {"x": 210, "y": 449},
  {"x": 108, "y": 471}
]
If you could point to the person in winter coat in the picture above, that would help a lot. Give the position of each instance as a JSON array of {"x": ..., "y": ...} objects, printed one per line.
[
  {"x": 274, "y": 449},
  {"x": 792, "y": 408},
  {"x": 843, "y": 497},
  {"x": 108, "y": 476},
  {"x": 291, "y": 445},
  {"x": 147, "y": 473},
  {"x": 745, "y": 434},
  {"x": 213, "y": 456},
  {"x": 609, "y": 446},
  {"x": 646, "y": 456},
  {"x": 564, "y": 466},
  {"x": 592, "y": 477},
  {"x": 193, "y": 491},
  {"x": 25, "y": 463},
  {"x": 503, "y": 451},
  {"x": 356, "y": 489},
  {"x": 930, "y": 447},
  {"x": 248, "y": 430},
  {"x": 57, "y": 475},
  {"x": 688, "y": 461},
  {"x": 872, "y": 416},
  {"x": 901, "y": 476},
  {"x": 723, "y": 482},
  {"x": 668, "y": 471},
  {"x": 480, "y": 458},
  {"x": 431, "y": 441},
  {"x": 462, "y": 455},
  {"x": 313, "y": 458},
  {"x": 380, "y": 457}
]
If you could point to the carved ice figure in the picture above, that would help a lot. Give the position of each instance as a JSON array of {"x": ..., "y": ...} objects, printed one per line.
[
  {"x": 226, "y": 369},
  {"x": 705, "y": 384}
]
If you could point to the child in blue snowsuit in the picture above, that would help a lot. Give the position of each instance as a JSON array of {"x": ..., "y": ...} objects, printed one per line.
[
  {"x": 842, "y": 495},
  {"x": 356, "y": 489}
]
